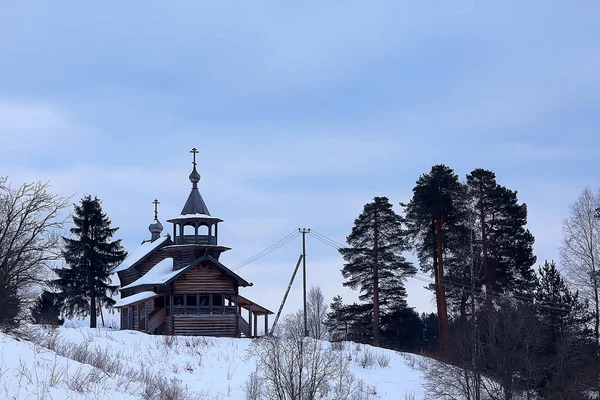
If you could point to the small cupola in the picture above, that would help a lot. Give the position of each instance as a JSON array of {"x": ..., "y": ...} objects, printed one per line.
[{"x": 155, "y": 227}]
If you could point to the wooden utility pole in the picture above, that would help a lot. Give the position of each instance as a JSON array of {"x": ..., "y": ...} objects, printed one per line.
[
  {"x": 285, "y": 296},
  {"x": 304, "y": 231}
]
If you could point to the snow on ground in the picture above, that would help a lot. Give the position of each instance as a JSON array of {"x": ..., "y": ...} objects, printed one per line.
[
  {"x": 28, "y": 371},
  {"x": 211, "y": 368}
]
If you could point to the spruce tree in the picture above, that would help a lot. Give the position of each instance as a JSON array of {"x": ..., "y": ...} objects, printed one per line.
[
  {"x": 567, "y": 347},
  {"x": 435, "y": 216},
  {"x": 46, "y": 309},
  {"x": 336, "y": 323},
  {"x": 374, "y": 263},
  {"x": 558, "y": 307},
  {"x": 89, "y": 255}
]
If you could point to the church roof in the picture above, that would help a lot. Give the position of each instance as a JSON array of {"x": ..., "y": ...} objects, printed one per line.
[
  {"x": 163, "y": 273},
  {"x": 195, "y": 204},
  {"x": 194, "y": 216},
  {"x": 157, "y": 275},
  {"x": 140, "y": 254},
  {"x": 136, "y": 298}
]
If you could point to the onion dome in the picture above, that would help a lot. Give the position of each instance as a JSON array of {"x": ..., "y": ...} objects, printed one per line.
[{"x": 155, "y": 227}]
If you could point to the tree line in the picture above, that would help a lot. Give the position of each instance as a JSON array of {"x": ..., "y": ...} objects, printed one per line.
[{"x": 497, "y": 317}]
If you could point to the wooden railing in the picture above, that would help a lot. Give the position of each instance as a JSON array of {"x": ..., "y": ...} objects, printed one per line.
[
  {"x": 156, "y": 318},
  {"x": 203, "y": 310},
  {"x": 192, "y": 239},
  {"x": 244, "y": 326}
]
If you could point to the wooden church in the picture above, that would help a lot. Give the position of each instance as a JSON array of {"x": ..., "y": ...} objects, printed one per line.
[{"x": 176, "y": 285}]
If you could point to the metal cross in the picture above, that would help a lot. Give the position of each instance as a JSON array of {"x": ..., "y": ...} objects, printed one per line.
[
  {"x": 194, "y": 151},
  {"x": 156, "y": 203}
]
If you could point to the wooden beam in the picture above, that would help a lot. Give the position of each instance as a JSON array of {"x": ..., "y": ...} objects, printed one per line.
[
  {"x": 266, "y": 323},
  {"x": 146, "y": 316},
  {"x": 250, "y": 318},
  {"x": 255, "y": 325}
]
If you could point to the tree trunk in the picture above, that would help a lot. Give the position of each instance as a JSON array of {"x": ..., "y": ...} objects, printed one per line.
[
  {"x": 92, "y": 305},
  {"x": 376, "y": 338},
  {"x": 486, "y": 271},
  {"x": 462, "y": 318},
  {"x": 443, "y": 310},
  {"x": 596, "y": 313},
  {"x": 438, "y": 294},
  {"x": 101, "y": 314}
]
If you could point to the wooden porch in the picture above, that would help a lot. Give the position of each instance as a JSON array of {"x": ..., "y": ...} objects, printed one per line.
[{"x": 159, "y": 314}]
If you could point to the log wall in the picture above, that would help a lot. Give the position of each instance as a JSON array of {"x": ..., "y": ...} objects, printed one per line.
[{"x": 206, "y": 325}]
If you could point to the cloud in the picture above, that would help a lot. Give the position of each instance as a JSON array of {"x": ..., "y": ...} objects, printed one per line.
[
  {"x": 32, "y": 126},
  {"x": 302, "y": 113}
]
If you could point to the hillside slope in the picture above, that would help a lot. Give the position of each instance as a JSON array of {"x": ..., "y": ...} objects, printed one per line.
[{"x": 134, "y": 365}]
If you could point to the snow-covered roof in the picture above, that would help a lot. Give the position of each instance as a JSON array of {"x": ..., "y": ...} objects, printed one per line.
[
  {"x": 196, "y": 216},
  {"x": 159, "y": 274},
  {"x": 136, "y": 298},
  {"x": 141, "y": 252}
]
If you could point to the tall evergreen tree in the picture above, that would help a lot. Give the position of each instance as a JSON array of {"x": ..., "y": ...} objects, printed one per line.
[
  {"x": 374, "y": 263},
  {"x": 566, "y": 346},
  {"x": 558, "y": 307},
  {"x": 85, "y": 284},
  {"x": 434, "y": 216},
  {"x": 505, "y": 246}
]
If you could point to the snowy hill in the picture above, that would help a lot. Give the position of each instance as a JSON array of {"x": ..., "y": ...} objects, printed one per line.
[{"x": 133, "y": 365}]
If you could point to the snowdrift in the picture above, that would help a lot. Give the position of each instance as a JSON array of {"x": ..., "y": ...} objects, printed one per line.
[{"x": 83, "y": 363}]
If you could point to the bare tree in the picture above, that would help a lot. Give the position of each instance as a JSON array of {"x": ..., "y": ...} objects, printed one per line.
[
  {"x": 29, "y": 241},
  {"x": 294, "y": 367},
  {"x": 317, "y": 313},
  {"x": 580, "y": 251}
]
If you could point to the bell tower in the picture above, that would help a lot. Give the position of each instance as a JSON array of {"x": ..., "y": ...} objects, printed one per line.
[{"x": 195, "y": 230}]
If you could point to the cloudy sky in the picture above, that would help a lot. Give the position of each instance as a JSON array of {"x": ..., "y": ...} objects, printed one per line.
[{"x": 302, "y": 113}]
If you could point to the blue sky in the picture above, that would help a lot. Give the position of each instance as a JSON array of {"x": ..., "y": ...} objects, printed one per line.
[{"x": 302, "y": 112}]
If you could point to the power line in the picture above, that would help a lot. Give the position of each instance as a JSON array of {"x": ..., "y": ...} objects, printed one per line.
[
  {"x": 326, "y": 243},
  {"x": 264, "y": 253},
  {"x": 327, "y": 238},
  {"x": 280, "y": 243}
]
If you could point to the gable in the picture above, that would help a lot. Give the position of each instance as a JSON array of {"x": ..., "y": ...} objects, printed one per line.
[{"x": 204, "y": 278}]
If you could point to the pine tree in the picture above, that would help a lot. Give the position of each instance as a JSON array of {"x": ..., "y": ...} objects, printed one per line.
[
  {"x": 374, "y": 263},
  {"x": 85, "y": 284},
  {"x": 506, "y": 247},
  {"x": 434, "y": 216}
]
